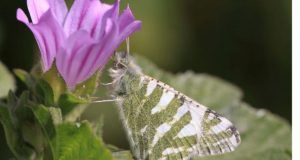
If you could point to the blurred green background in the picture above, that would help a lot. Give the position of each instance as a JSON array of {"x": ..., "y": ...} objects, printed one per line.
[{"x": 244, "y": 42}]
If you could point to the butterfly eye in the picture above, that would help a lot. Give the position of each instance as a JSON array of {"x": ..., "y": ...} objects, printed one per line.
[
  {"x": 123, "y": 55},
  {"x": 120, "y": 65}
]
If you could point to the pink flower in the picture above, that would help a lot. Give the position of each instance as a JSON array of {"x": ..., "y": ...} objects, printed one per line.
[{"x": 80, "y": 40}]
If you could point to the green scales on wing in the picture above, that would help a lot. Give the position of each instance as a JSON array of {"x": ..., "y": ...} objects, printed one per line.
[{"x": 162, "y": 123}]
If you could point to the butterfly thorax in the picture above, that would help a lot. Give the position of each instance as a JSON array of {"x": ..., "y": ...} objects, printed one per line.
[{"x": 125, "y": 74}]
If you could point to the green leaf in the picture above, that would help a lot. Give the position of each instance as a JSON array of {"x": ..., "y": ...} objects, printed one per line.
[
  {"x": 122, "y": 155},
  {"x": 44, "y": 93},
  {"x": 75, "y": 113},
  {"x": 25, "y": 127},
  {"x": 53, "y": 78},
  {"x": 77, "y": 141},
  {"x": 25, "y": 77},
  {"x": 68, "y": 102},
  {"x": 56, "y": 115},
  {"x": 68, "y": 140},
  {"x": 208, "y": 90},
  {"x": 13, "y": 135},
  {"x": 45, "y": 90},
  {"x": 83, "y": 90},
  {"x": 40, "y": 88},
  {"x": 48, "y": 118},
  {"x": 7, "y": 81},
  {"x": 264, "y": 135},
  {"x": 88, "y": 87}
]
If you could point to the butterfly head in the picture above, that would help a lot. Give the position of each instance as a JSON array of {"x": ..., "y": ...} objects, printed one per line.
[
  {"x": 121, "y": 60},
  {"x": 125, "y": 73}
]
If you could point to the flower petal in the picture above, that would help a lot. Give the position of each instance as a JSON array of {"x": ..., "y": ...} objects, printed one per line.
[
  {"x": 100, "y": 54},
  {"x": 126, "y": 18},
  {"x": 48, "y": 34},
  {"x": 59, "y": 9},
  {"x": 21, "y": 16},
  {"x": 109, "y": 11},
  {"x": 108, "y": 49},
  {"x": 127, "y": 25},
  {"x": 98, "y": 26},
  {"x": 128, "y": 30},
  {"x": 70, "y": 59},
  {"x": 89, "y": 15},
  {"x": 36, "y": 9},
  {"x": 76, "y": 15},
  {"x": 80, "y": 11}
]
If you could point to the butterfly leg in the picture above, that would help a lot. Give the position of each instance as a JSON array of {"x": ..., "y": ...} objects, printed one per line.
[{"x": 106, "y": 84}]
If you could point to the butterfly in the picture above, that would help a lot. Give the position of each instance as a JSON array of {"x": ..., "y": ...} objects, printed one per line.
[{"x": 162, "y": 123}]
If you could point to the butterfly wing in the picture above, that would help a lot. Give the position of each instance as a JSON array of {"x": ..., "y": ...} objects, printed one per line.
[{"x": 162, "y": 123}]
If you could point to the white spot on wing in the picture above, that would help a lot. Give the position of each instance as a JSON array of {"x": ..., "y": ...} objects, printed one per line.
[
  {"x": 168, "y": 151},
  {"x": 162, "y": 129},
  {"x": 150, "y": 87},
  {"x": 192, "y": 149},
  {"x": 197, "y": 113},
  {"x": 164, "y": 101},
  {"x": 222, "y": 126},
  {"x": 181, "y": 111},
  {"x": 210, "y": 116},
  {"x": 187, "y": 130},
  {"x": 160, "y": 132},
  {"x": 233, "y": 141},
  {"x": 217, "y": 129},
  {"x": 142, "y": 80}
]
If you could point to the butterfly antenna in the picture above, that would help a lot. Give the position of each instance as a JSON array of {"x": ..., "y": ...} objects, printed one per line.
[
  {"x": 96, "y": 100},
  {"x": 127, "y": 45},
  {"x": 106, "y": 84},
  {"x": 104, "y": 101}
]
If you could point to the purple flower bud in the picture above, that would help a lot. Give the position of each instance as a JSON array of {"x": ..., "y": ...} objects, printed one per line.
[{"x": 82, "y": 39}]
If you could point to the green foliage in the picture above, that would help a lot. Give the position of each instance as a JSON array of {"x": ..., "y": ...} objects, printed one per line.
[
  {"x": 39, "y": 126},
  {"x": 25, "y": 77},
  {"x": 13, "y": 136},
  {"x": 53, "y": 78},
  {"x": 40, "y": 89},
  {"x": 50, "y": 89},
  {"x": 59, "y": 87},
  {"x": 7, "y": 82},
  {"x": 46, "y": 136},
  {"x": 69, "y": 101},
  {"x": 88, "y": 87},
  {"x": 77, "y": 142},
  {"x": 122, "y": 155}
]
